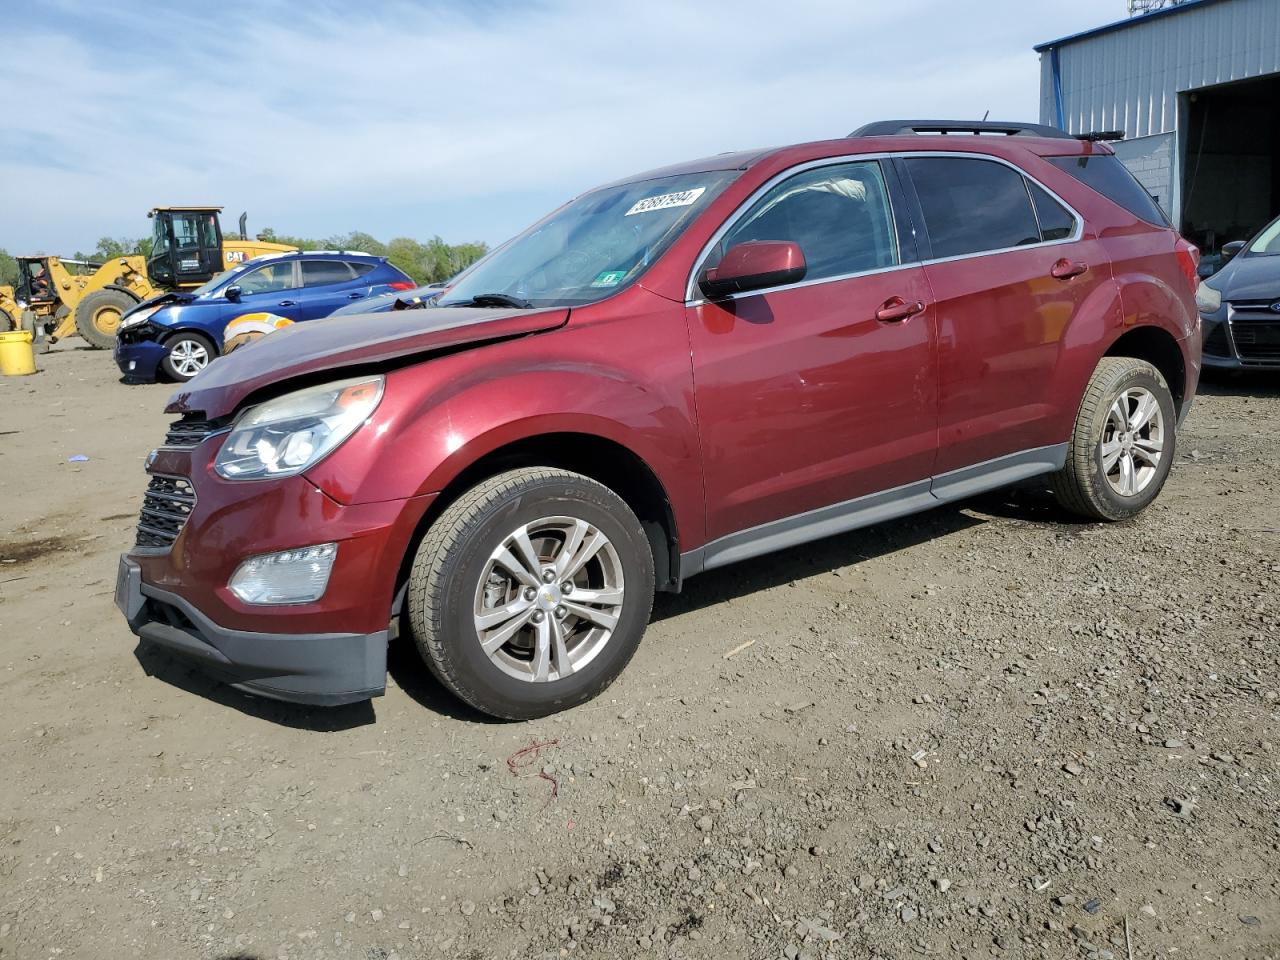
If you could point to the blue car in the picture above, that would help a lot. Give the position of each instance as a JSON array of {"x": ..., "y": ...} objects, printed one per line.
[
  {"x": 176, "y": 335},
  {"x": 1240, "y": 305}
]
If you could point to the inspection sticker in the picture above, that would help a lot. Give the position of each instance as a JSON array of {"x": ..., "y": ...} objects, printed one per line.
[
  {"x": 684, "y": 198},
  {"x": 609, "y": 278}
]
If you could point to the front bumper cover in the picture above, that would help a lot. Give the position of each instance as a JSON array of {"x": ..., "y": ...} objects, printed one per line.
[{"x": 311, "y": 668}]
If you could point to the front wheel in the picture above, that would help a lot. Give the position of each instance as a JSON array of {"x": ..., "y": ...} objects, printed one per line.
[
  {"x": 189, "y": 353},
  {"x": 531, "y": 592},
  {"x": 98, "y": 316},
  {"x": 1123, "y": 443}
]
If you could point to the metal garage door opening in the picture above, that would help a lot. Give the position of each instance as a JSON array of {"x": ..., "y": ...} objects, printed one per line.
[{"x": 1230, "y": 161}]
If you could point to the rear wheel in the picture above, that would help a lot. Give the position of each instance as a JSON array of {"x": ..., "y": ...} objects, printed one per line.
[
  {"x": 531, "y": 592},
  {"x": 98, "y": 316},
  {"x": 189, "y": 353},
  {"x": 1123, "y": 443}
]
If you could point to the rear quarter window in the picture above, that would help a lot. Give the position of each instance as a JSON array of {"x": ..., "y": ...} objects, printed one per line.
[{"x": 1105, "y": 174}]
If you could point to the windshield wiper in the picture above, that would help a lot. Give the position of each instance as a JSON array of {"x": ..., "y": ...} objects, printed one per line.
[{"x": 492, "y": 300}]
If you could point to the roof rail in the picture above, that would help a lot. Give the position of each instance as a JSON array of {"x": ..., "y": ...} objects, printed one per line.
[
  {"x": 1095, "y": 136},
  {"x": 892, "y": 128}
]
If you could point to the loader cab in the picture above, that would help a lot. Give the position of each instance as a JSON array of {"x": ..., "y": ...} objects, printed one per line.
[
  {"x": 186, "y": 246},
  {"x": 35, "y": 280}
]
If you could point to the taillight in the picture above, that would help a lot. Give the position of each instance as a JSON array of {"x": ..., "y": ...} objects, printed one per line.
[
  {"x": 1189, "y": 260},
  {"x": 402, "y": 285}
]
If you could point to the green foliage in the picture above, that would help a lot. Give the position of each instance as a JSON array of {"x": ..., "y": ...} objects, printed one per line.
[
  {"x": 110, "y": 247},
  {"x": 8, "y": 270},
  {"x": 429, "y": 262}
]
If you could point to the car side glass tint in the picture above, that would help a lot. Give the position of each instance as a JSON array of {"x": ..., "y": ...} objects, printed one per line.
[
  {"x": 317, "y": 273},
  {"x": 1104, "y": 173},
  {"x": 972, "y": 206},
  {"x": 360, "y": 267},
  {"x": 839, "y": 215},
  {"x": 268, "y": 279},
  {"x": 1056, "y": 221}
]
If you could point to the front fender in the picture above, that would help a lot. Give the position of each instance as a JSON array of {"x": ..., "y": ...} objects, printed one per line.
[{"x": 438, "y": 418}]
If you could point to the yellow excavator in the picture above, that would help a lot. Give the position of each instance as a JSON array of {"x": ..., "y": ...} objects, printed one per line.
[{"x": 187, "y": 250}]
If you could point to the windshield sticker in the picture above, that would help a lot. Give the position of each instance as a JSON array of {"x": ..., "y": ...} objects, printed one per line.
[
  {"x": 609, "y": 278},
  {"x": 684, "y": 198}
]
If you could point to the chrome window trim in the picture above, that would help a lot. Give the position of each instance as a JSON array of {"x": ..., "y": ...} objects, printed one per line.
[{"x": 693, "y": 296}]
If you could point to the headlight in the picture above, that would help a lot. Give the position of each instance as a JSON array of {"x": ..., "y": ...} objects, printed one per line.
[
  {"x": 290, "y": 576},
  {"x": 1208, "y": 300},
  {"x": 285, "y": 436},
  {"x": 137, "y": 317}
]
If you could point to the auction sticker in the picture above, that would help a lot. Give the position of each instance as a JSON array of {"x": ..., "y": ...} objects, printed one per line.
[
  {"x": 609, "y": 278},
  {"x": 684, "y": 198}
]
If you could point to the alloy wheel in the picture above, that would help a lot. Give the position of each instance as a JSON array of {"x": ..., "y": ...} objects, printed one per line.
[
  {"x": 189, "y": 357},
  {"x": 548, "y": 599},
  {"x": 1132, "y": 441}
]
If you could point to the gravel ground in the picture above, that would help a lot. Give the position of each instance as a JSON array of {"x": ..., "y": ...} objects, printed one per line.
[{"x": 988, "y": 731}]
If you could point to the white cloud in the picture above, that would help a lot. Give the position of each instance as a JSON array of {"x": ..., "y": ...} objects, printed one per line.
[{"x": 412, "y": 119}]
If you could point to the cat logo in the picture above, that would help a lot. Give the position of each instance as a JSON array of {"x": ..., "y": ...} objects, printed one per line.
[{"x": 235, "y": 256}]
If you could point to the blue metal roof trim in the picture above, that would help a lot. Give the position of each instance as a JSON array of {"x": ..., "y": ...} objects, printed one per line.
[{"x": 1121, "y": 24}]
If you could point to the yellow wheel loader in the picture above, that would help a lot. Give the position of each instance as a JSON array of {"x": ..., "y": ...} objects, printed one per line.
[
  {"x": 10, "y": 310},
  {"x": 187, "y": 250}
]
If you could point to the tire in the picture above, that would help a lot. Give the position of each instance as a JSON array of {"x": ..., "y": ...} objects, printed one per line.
[
  {"x": 455, "y": 578},
  {"x": 98, "y": 316},
  {"x": 28, "y": 322},
  {"x": 7, "y": 322},
  {"x": 1093, "y": 483},
  {"x": 183, "y": 361}
]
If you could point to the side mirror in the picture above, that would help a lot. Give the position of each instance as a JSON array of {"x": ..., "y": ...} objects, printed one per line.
[
  {"x": 1229, "y": 250},
  {"x": 232, "y": 293},
  {"x": 752, "y": 266}
]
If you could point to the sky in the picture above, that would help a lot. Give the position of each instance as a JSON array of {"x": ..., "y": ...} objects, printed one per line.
[{"x": 467, "y": 120}]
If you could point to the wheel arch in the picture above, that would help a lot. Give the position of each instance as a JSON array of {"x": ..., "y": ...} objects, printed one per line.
[
  {"x": 1158, "y": 347},
  {"x": 601, "y": 458}
]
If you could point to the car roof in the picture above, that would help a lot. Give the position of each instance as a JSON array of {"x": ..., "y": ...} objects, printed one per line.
[{"x": 317, "y": 255}]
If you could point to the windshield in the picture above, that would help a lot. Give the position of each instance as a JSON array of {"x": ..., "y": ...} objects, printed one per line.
[
  {"x": 210, "y": 285},
  {"x": 159, "y": 237},
  {"x": 593, "y": 246},
  {"x": 1267, "y": 243}
]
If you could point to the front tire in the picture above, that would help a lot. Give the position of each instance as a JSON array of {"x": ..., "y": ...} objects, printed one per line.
[
  {"x": 1123, "y": 443},
  {"x": 189, "y": 353},
  {"x": 98, "y": 316},
  {"x": 530, "y": 593}
]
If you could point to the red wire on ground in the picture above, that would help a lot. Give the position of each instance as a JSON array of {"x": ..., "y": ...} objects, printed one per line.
[{"x": 522, "y": 759}]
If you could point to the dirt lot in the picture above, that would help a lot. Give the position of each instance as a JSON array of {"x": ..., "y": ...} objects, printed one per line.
[{"x": 986, "y": 731}]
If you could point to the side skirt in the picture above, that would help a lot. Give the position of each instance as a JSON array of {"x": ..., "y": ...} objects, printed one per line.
[{"x": 873, "y": 508}]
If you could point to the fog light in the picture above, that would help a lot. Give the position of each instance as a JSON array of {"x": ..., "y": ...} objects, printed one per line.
[{"x": 290, "y": 576}]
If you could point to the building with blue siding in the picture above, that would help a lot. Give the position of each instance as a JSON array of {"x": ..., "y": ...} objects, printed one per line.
[{"x": 1196, "y": 89}]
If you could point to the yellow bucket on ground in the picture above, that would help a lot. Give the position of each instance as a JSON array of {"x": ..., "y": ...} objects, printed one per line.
[{"x": 16, "y": 356}]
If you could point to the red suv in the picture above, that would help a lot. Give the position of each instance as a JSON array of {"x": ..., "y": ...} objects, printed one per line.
[{"x": 671, "y": 373}]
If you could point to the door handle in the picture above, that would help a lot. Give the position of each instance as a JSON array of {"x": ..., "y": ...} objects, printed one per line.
[
  {"x": 1065, "y": 269},
  {"x": 895, "y": 310},
  {"x": 288, "y": 303},
  {"x": 355, "y": 296}
]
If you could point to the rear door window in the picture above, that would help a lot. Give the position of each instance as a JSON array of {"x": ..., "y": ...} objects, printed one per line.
[
  {"x": 838, "y": 215},
  {"x": 972, "y": 206},
  {"x": 1104, "y": 173},
  {"x": 317, "y": 273},
  {"x": 1056, "y": 221}
]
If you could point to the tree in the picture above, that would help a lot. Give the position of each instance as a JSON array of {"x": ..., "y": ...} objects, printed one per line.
[
  {"x": 8, "y": 270},
  {"x": 430, "y": 262}
]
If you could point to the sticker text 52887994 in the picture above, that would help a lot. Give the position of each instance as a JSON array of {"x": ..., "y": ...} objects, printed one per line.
[{"x": 682, "y": 198}]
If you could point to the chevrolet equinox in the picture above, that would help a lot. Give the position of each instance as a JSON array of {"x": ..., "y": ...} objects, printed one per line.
[{"x": 670, "y": 373}]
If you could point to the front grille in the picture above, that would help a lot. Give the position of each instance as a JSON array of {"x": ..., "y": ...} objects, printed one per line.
[
  {"x": 1257, "y": 341},
  {"x": 166, "y": 506},
  {"x": 1215, "y": 341},
  {"x": 190, "y": 431}
]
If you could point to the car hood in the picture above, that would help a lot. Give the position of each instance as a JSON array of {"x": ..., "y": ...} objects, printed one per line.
[
  {"x": 358, "y": 340},
  {"x": 1250, "y": 278}
]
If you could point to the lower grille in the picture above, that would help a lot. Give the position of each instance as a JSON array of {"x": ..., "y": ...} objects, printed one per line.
[
  {"x": 1257, "y": 341},
  {"x": 166, "y": 506}
]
